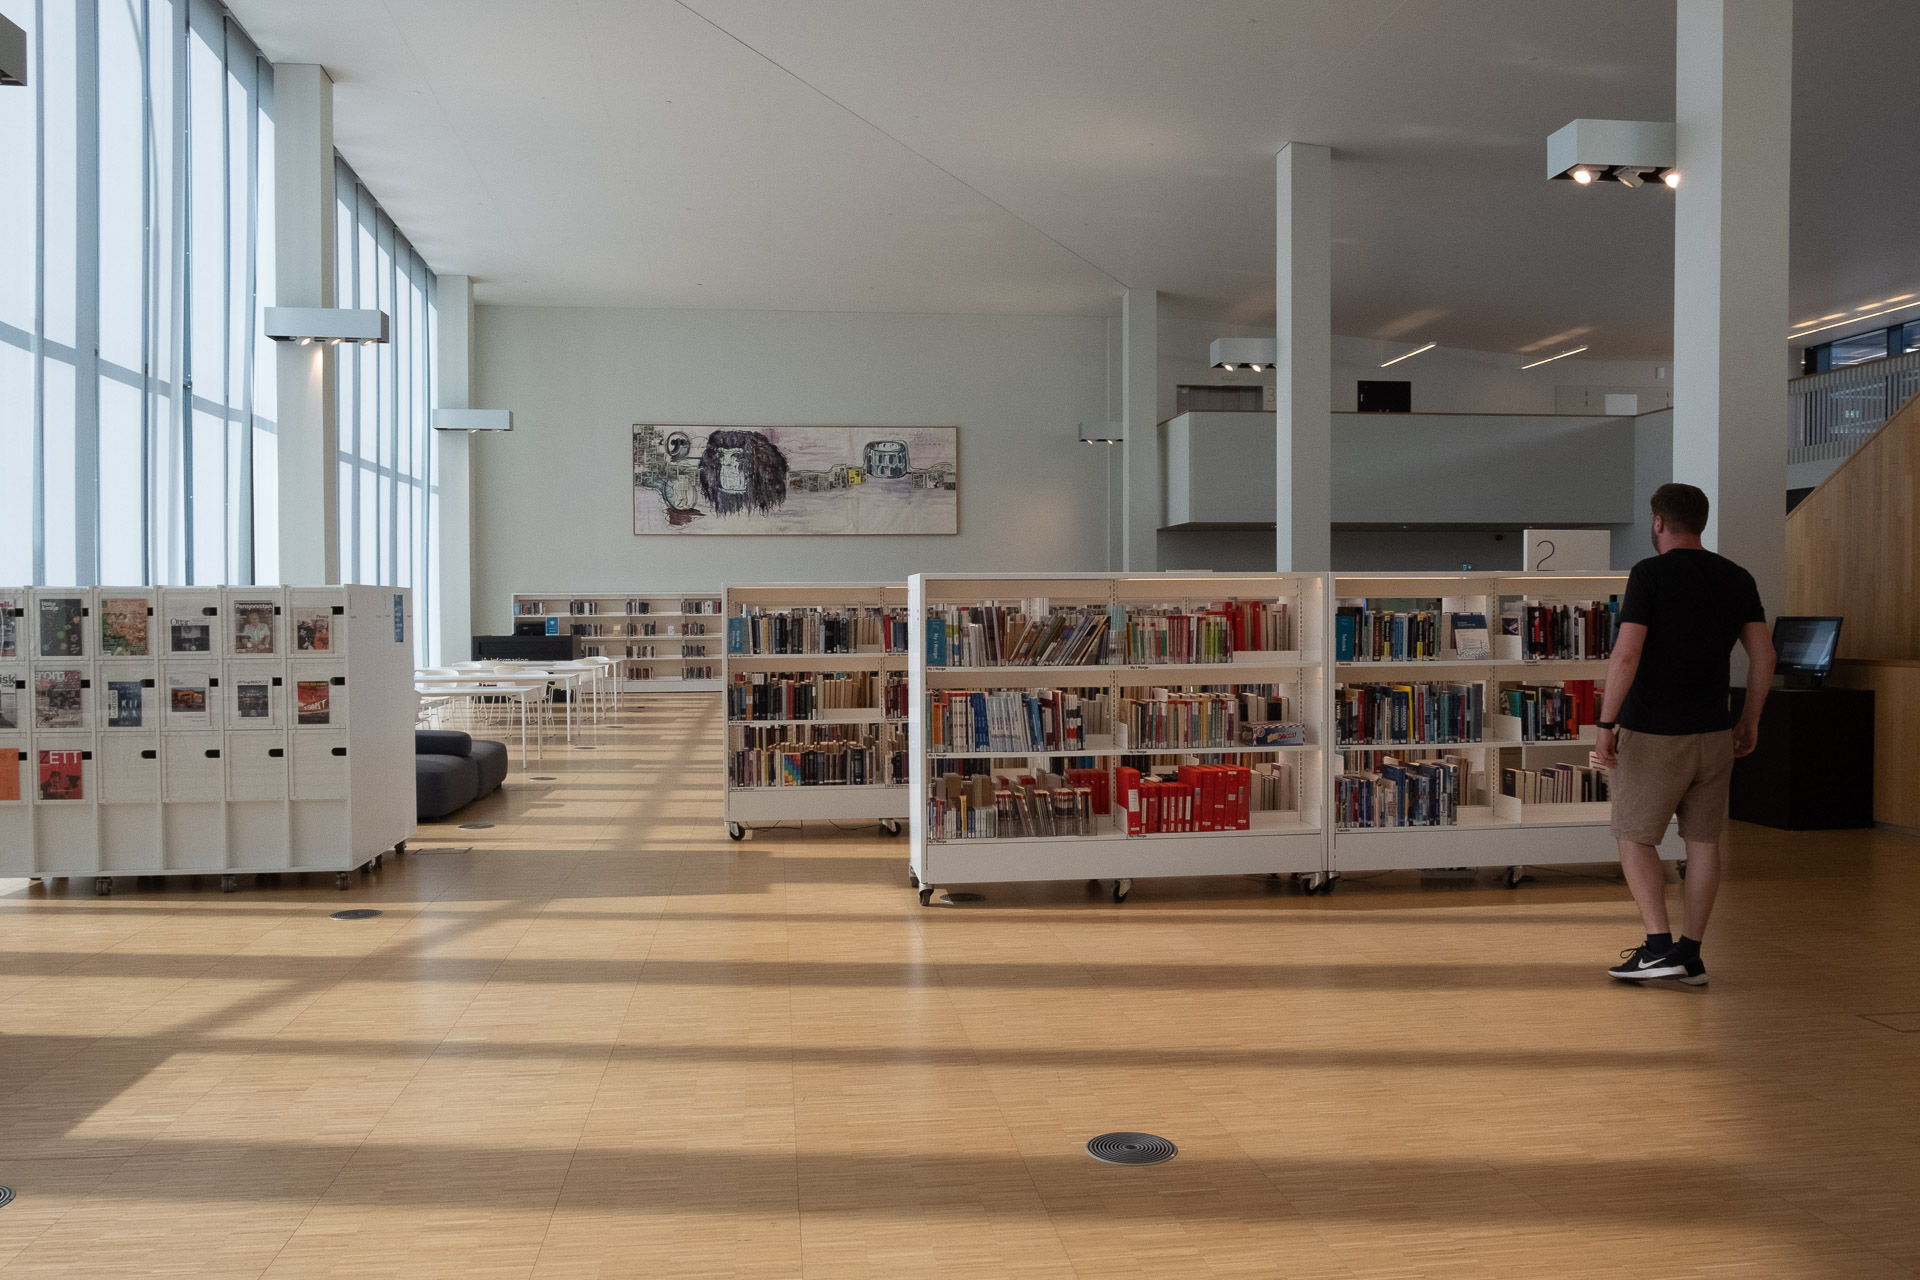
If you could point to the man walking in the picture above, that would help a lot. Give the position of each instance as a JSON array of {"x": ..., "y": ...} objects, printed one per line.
[{"x": 1663, "y": 726}]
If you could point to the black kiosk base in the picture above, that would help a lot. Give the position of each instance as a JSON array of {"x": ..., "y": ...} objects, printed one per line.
[{"x": 1813, "y": 767}]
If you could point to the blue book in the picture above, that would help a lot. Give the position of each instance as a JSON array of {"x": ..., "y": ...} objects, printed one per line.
[
  {"x": 1345, "y": 632},
  {"x": 936, "y": 642},
  {"x": 736, "y": 635},
  {"x": 553, "y": 626},
  {"x": 983, "y": 739},
  {"x": 1033, "y": 722}
]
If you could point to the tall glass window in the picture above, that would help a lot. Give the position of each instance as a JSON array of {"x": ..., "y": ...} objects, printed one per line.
[
  {"x": 385, "y": 403},
  {"x": 136, "y": 387}
]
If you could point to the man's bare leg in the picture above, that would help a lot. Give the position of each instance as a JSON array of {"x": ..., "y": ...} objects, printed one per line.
[
  {"x": 1697, "y": 893},
  {"x": 1647, "y": 879}
]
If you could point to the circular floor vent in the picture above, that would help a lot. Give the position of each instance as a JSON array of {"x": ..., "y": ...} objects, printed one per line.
[{"x": 1131, "y": 1148}]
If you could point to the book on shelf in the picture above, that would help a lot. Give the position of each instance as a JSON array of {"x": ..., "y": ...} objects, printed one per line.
[
  {"x": 126, "y": 704},
  {"x": 1038, "y": 633},
  {"x": 1007, "y": 806},
  {"x": 1158, "y": 719},
  {"x": 62, "y": 776},
  {"x": 9, "y": 702},
  {"x": 1551, "y": 712},
  {"x": 123, "y": 627},
  {"x": 12, "y": 610},
  {"x": 696, "y": 673},
  {"x": 56, "y": 698},
  {"x": 60, "y": 627},
  {"x": 705, "y": 604},
  {"x": 1401, "y": 792},
  {"x": 803, "y": 695},
  {"x": 1556, "y": 784},
  {"x": 1364, "y": 632},
  {"x": 816, "y": 755},
  {"x": 1196, "y": 798},
  {"x": 313, "y": 630},
  {"x": 10, "y": 773},
  {"x": 1569, "y": 631},
  {"x": 253, "y": 631},
  {"x": 1014, "y": 721},
  {"x": 528, "y": 608},
  {"x": 1416, "y": 712},
  {"x": 818, "y": 630},
  {"x": 1471, "y": 641}
]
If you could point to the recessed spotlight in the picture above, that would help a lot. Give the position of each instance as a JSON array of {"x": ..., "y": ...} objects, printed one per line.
[
  {"x": 1254, "y": 367},
  {"x": 1582, "y": 176},
  {"x": 1227, "y": 367},
  {"x": 1671, "y": 177}
]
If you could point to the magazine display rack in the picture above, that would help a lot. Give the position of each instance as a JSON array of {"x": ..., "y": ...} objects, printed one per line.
[
  {"x": 660, "y": 642},
  {"x": 1148, "y": 672},
  {"x": 204, "y": 730},
  {"x": 1493, "y": 829},
  {"x": 820, "y": 635}
]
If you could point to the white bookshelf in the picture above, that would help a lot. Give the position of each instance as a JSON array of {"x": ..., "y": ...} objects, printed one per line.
[
  {"x": 1499, "y": 831},
  {"x": 1286, "y": 841},
  {"x": 249, "y": 746},
  {"x": 749, "y": 805},
  {"x": 658, "y": 643}
]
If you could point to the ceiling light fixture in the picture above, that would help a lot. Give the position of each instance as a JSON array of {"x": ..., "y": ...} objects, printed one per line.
[
  {"x": 1409, "y": 355},
  {"x": 1550, "y": 359},
  {"x": 1227, "y": 353},
  {"x": 1905, "y": 306},
  {"x": 1633, "y": 153},
  {"x": 1103, "y": 432},
  {"x": 331, "y": 325}
]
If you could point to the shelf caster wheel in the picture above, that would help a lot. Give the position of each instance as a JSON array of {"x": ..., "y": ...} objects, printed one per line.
[
  {"x": 229, "y": 883},
  {"x": 926, "y": 895},
  {"x": 375, "y": 864},
  {"x": 1306, "y": 881},
  {"x": 342, "y": 881},
  {"x": 1680, "y": 868},
  {"x": 1327, "y": 882},
  {"x": 103, "y": 885},
  {"x": 736, "y": 831},
  {"x": 400, "y": 848},
  {"x": 1514, "y": 876},
  {"x": 913, "y": 881},
  {"x": 1121, "y": 888},
  {"x": 890, "y": 826}
]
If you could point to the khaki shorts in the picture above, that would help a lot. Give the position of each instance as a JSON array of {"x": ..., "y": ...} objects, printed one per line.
[{"x": 1661, "y": 774}]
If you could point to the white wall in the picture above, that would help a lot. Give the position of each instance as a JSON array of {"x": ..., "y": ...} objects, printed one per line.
[{"x": 552, "y": 500}]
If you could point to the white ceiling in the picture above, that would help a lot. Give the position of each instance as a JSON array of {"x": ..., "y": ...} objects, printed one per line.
[{"x": 1041, "y": 155}]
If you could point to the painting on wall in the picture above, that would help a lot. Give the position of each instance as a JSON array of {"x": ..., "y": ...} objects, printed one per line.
[{"x": 808, "y": 480}]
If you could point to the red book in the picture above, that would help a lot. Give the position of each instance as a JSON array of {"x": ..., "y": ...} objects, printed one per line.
[{"x": 1128, "y": 781}]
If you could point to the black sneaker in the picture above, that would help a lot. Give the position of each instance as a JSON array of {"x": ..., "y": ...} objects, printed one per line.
[
  {"x": 1640, "y": 963},
  {"x": 1696, "y": 975}
]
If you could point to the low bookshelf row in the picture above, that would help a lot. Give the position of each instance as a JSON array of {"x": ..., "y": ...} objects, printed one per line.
[
  {"x": 1112, "y": 726},
  {"x": 815, "y": 678},
  {"x": 663, "y": 642}
]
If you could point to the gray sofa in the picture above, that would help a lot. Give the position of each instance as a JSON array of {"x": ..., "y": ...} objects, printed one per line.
[{"x": 452, "y": 769}]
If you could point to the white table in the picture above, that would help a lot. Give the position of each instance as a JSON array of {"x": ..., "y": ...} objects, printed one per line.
[{"x": 472, "y": 690}]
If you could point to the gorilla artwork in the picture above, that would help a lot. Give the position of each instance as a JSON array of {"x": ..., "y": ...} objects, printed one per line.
[{"x": 742, "y": 471}]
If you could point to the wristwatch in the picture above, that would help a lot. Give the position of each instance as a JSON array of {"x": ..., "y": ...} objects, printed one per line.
[{"x": 1608, "y": 725}]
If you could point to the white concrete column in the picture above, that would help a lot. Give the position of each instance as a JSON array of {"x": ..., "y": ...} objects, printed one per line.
[
  {"x": 303, "y": 199},
  {"x": 1303, "y": 381},
  {"x": 452, "y": 638},
  {"x": 1141, "y": 497},
  {"x": 1733, "y": 113}
]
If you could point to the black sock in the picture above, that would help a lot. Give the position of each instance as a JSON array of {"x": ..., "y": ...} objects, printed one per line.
[
  {"x": 1660, "y": 943},
  {"x": 1687, "y": 948}
]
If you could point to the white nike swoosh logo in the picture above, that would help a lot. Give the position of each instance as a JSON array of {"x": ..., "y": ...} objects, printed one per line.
[{"x": 1648, "y": 964}]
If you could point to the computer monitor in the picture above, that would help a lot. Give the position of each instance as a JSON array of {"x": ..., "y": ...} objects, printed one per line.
[{"x": 1804, "y": 647}]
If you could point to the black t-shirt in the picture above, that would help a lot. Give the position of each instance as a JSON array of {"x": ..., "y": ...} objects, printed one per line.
[{"x": 1693, "y": 604}]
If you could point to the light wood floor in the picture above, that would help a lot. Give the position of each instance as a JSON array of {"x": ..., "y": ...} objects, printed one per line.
[{"x": 601, "y": 1039}]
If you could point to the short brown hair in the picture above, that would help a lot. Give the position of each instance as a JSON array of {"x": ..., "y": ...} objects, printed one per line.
[{"x": 1682, "y": 506}]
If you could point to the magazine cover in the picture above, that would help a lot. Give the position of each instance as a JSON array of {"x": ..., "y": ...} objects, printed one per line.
[
  {"x": 253, "y": 700},
  {"x": 190, "y": 635},
  {"x": 253, "y": 627},
  {"x": 60, "y": 776},
  {"x": 9, "y": 703},
  {"x": 60, "y": 627},
  {"x": 56, "y": 700},
  {"x": 313, "y": 630},
  {"x": 123, "y": 628},
  {"x": 126, "y": 705},
  {"x": 9, "y": 625},
  {"x": 9, "y": 773},
  {"x": 187, "y": 700},
  {"x": 316, "y": 706}
]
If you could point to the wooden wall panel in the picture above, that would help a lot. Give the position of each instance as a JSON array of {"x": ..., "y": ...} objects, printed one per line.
[
  {"x": 1896, "y": 730},
  {"x": 1851, "y": 546}
]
